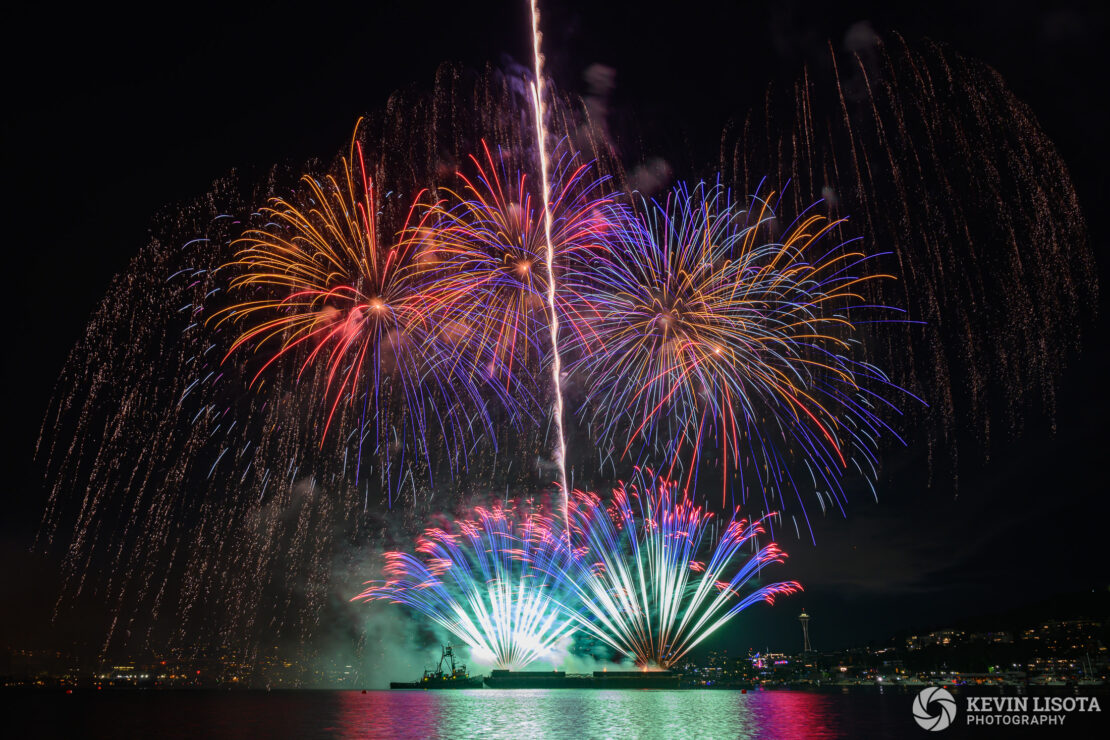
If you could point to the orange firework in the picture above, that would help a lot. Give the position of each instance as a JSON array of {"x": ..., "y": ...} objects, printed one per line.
[{"x": 322, "y": 284}]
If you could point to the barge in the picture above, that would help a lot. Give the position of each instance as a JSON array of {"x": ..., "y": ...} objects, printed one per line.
[{"x": 500, "y": 679}]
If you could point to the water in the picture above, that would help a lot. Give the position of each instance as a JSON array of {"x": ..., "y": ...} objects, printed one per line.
[{"x": 488, "y": 713}]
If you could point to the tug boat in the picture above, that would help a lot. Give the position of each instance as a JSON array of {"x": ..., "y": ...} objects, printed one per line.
[{"x": 455, "y": 677}]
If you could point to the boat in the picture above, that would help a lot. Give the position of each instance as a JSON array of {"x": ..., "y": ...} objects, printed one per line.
[
  {"x": 455, "y": 677},
  {"x": 501, "y": 679}
]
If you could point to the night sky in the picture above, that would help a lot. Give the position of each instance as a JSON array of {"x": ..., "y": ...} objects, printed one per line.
[{"x": 111, "y": 119}]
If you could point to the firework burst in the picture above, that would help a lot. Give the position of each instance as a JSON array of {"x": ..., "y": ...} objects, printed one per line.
[
  {"x": 484, "y": 255},
  {"x": 711, "y": 327},
  {"x": 319, "y": 283},
  {"x": 639, "y": 576},
  {"x": 491, "y": 581}
]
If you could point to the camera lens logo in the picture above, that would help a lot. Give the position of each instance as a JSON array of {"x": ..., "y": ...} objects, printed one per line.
[{"x": 936, "y": 699}]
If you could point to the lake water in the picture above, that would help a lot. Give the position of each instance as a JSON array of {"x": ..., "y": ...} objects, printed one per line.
[{"x": 487, "y": 713}]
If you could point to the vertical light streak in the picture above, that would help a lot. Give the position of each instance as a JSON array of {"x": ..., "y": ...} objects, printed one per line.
[{"x": 556, "y": 365}]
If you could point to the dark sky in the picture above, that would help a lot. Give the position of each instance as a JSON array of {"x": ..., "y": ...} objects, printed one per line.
[{"x": 111, "y": 117}]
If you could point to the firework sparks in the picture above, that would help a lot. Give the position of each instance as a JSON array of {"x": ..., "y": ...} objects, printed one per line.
[
  {"x": 640, "y": 582},
  {"x": 940, "y": 163},
  {"x": 332, "y": 291},
  {"x": 932, "y": 172},
  {"x": 490, "y": 581},
  {"x": 648, "y": 574},
  {"x": 700, "y": 334},
  {"x": 485, "y": 251}
]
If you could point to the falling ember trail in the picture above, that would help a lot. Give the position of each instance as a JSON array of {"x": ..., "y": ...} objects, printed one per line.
[{"x": 556, "y": 365}]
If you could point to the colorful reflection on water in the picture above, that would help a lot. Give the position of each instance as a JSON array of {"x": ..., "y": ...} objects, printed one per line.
[
  {"x": 572, "y": 713},
  {"x": 487, "y": 713}
]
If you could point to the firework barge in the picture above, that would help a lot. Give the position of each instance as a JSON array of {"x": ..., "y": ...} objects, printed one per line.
[
  {"x": 599, "y": 680},
  {"x": 458, "y": 678}
]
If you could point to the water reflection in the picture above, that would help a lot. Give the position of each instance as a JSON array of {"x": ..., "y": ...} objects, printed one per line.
[
  {"x": 571, "y": 713},
  {"x": 486, "y": 713},
  {"x": 561, "y": 713}
]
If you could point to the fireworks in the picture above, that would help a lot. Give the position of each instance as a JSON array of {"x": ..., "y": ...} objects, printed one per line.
[
  {"x": 490, "y": 581},
  {"x": 632, "y": 573},
  {"x": 939, "y": 163},
  {"x": 224, "y": 475},
  {"x": 484, "y": 252},
  {"x": 331, "y": 288},
  {"x": 643, "y": 583},
  {"x": 700, "y": 332}
]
